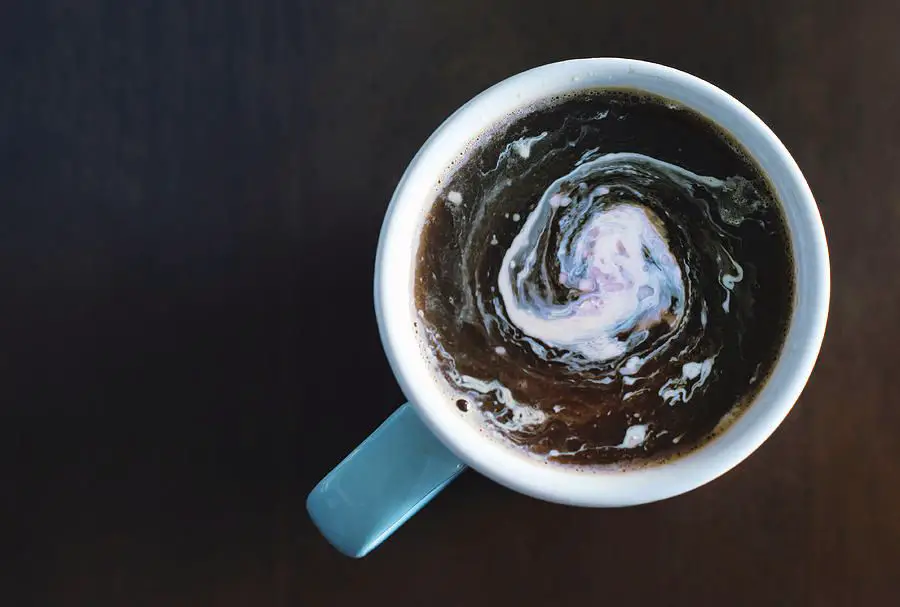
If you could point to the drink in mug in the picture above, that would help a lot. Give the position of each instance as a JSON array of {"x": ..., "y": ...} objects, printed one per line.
[{"x": 601, "y": 282}]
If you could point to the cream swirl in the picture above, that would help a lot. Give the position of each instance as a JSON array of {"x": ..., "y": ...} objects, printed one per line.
[
  {"x": 592, "y": 302},
  {"x": 617, "y": 277}
]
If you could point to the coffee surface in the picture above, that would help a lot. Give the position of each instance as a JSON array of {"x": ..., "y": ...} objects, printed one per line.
[{"x": 604, "y": 279}]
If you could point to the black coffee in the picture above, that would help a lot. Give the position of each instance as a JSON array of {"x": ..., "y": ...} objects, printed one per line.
[{"x": 607, "y": 278}]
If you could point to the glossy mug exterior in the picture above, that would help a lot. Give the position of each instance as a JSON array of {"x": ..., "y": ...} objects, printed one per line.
[{"x": 426, "y": 443}]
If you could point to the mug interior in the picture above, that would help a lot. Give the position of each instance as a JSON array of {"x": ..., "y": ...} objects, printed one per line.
[{"x": 395, "y": 266}]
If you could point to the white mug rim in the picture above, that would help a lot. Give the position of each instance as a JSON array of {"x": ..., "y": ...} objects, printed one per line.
[{"x": 604, "y": 487}]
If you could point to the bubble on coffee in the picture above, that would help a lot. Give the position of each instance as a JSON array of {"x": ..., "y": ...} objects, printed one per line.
[{"x": 604, "y": 279}]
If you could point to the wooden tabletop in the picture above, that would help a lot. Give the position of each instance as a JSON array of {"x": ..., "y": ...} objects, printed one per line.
[{"x": 190, "y": 198}]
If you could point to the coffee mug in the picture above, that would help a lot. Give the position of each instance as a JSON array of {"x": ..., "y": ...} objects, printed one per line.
[{"x": 425, "y": 444}]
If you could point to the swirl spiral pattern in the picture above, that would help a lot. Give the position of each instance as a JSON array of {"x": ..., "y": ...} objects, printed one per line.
[{"x": 594, "y": 304}]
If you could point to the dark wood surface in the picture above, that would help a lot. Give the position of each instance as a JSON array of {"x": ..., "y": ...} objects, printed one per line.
[{"x": 190, "y": 197}]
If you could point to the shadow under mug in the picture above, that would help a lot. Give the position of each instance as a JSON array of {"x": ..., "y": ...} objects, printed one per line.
[{"x": 425, "y": 444}]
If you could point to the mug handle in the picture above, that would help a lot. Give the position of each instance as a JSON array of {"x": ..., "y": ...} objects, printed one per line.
[{"x": 393, "y": 473}]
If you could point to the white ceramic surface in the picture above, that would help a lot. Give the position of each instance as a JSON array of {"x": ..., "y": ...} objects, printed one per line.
[{"x": 394, "y": 278}]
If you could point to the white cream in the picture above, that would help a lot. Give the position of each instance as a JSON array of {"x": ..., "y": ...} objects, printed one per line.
[
  {"x": 634, "y": 437},
  {"x": 693, "y": 376},
  {"x": 621, "y": 285},
  {"x": 522, "y": 147}
]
